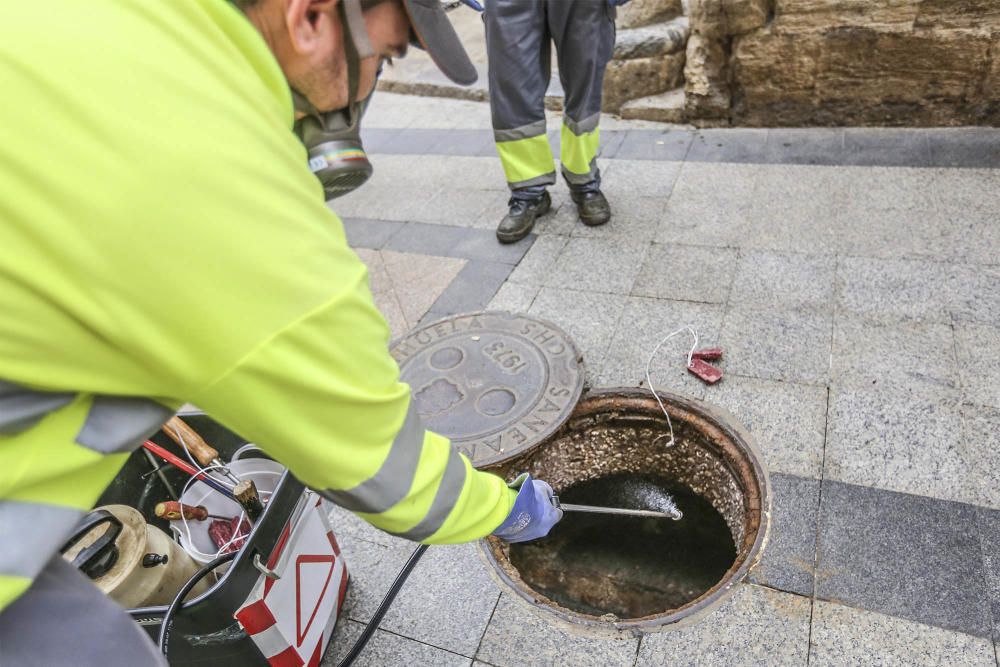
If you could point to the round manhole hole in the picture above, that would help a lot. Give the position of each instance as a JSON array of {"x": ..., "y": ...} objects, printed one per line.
[
  {"x": 496, "y": 384},
  {"x": 615, "y": 573}
]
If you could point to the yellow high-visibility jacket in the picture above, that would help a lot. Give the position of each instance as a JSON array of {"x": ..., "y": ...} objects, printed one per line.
[{"x": 161, "y": 237}]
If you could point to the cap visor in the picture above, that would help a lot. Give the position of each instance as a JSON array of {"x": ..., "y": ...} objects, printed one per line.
[{"x": 438, "y": 38}]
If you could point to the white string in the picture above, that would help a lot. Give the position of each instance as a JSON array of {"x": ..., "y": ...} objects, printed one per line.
[{"x": 649, "y": 380}]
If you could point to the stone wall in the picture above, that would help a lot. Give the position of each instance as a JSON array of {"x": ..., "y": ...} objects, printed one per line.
[{"x": 844, "y": 62}]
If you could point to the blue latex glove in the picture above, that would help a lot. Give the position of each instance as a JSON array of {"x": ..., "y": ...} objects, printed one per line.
[
  {"x": 534, "y": 512},
  {"x": 475, "y": 5},
  {"x": 617, "y": 3}
]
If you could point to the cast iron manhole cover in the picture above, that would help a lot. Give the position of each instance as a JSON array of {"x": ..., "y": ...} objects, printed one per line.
[{"x": 495, "y": 383}]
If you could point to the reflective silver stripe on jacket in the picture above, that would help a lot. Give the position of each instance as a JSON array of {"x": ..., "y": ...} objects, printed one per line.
[
  {"x": 30, "y": 533},
  {"x": 452, "y": 483},
  {"x": 118, "y": 424},
  {"x": 21, "y": 408},
  {"x": 393, "y": 480}
]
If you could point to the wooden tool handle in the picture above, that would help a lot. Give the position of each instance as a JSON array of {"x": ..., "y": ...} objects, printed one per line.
[
  {"x": 183, "y": 435},
  {"x": 246, "y": 495},
  {"x": 172, "y": 510}
]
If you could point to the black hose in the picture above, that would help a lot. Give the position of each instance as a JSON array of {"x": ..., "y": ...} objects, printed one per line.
[
  {"x": 383, "y": 607},
  {"x": 175, "y": 605}
]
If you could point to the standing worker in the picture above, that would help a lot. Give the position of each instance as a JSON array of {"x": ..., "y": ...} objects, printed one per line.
[
  {"x": 163, "y": 240},
  {"x": 518, "y": 46}
]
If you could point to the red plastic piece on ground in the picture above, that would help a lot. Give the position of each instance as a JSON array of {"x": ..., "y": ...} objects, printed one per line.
[
  {"x": 708, "y": 354},
  {"x": 705, "y": 371}
]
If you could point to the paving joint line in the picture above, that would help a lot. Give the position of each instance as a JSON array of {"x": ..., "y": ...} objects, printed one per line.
[
  {"x": 486, "y": 628},
  {"x": 819, "y": 510},
  {"x": 420, "y": 641}
]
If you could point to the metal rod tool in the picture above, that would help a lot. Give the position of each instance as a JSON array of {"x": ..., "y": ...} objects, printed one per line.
[{"x": 674, "y": 514}]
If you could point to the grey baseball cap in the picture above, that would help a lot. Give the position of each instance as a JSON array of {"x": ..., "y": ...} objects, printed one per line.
[{"x": 436, "y": 36}]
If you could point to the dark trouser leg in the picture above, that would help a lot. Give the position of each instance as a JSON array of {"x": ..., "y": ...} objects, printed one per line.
[
  {"x": 519, "y": 54},
  {"x": 63, "y": 619},
  {"x": 584, "y": 34}
]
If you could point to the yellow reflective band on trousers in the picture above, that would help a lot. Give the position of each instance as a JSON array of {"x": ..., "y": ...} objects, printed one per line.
[
  {"x": 577, "y": 152},
  {"x": 526, "y": 159}
]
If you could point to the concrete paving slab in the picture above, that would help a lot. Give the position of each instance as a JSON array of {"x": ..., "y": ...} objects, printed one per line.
[
  {"x": 517, "y": 636},
  {"x": 845, "y": 636},
  {"x": 795, "y": 225},
  {"x": 458, "y": 207},
  {"x": 890, "y": 188},
  {"x": 892, "y": 290},
  {"x": 907, "y": 556},
  {"x": 483, "y": 244},
  {"x": 588, "y": 317},
  {"x": 788, "y": 563},
  {"x": 978, "y": 349},
  {"x": 383, "y": 294},
  {"x": 989, "y": 528},
  {"x": 686, "y": 273},
  {"x": 639, "y": 178},
  {"x": 419, "y": 280},
  {"x": 644, "y": 323},
  {"x": 386, "y": 648},
  {"x": 771, "y": 280},
  {"x": 962, "y": 190},
  {"x": 633, "y": 218},
  {"x": 720, "y": 184},
  {"x": 757, "y": 626},
  {"x": 788, "y": 420},
  {"x": 703, "y": 221},
  {"x": 981, "y": 447},
  {"x": 973, "y": 293},
  {"x": 909, "y": 356},
  {"x": 594, "y": 265},
  {"x": 895, "y": 439},
  {"x": 893, "y": 233},
  {"x": 778, "y": 344},
  {"x": 514, "y": 297},
  {"x": 463, "y": 594},
  {"x": 539, "y": 260},
  {"x": 782, "y": 184}
]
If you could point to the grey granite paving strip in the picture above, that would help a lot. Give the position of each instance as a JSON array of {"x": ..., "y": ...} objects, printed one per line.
[
  {"x": 989, "y": 534},
  {"x": 967, "y": 148},
  {"x": 908, "y": 556},
  {"x": 374, "y": 234},
  {"x": 788, "y": 560},
  {"x": 473, "y": 289},
  {"x": 686, "y": 273}
]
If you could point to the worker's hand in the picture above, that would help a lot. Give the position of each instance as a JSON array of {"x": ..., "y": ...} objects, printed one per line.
[{"x": 534, "y": 512}]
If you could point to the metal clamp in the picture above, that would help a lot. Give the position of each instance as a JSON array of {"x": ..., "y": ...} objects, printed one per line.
[{"x": 264, "y": 569}]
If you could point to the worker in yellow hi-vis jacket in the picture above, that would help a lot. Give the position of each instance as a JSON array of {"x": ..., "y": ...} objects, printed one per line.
[
  {"x": 162, "y": 240},
  {"x": 519, "y": 34}
]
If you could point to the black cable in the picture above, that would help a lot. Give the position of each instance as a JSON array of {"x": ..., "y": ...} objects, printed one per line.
[
  {"x": 175, "y": 605},
  {"x": 383, "y": 607}
]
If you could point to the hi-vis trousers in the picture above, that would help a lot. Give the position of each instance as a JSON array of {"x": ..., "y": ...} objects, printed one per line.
[{"x": 518, "y": 37}]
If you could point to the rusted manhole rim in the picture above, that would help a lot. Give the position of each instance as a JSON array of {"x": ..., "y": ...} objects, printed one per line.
[{"x": 719, "y": 433}]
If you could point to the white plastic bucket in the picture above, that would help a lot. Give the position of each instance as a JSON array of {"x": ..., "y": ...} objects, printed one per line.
[{"x": 265, "y": 475}]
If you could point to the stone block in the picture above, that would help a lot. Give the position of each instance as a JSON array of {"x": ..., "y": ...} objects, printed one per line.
[
  {"x": 655, "y": 40},
  {"x": 948, "y": 14},
  {"x": 626, "y": 80},
  {"x": 743, "y": 16},
  {"x": 708, "y": 17},
  {"x": 774, "y": 77},
  {"x": 706, "y": 86},
  {"x": 871, "y": 68},
  {"x": 820, "y": 15},
  {"x": 638, "y": 13}
]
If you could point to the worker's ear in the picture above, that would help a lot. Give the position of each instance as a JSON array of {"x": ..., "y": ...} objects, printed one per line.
[{"x": 311, "y": 24}]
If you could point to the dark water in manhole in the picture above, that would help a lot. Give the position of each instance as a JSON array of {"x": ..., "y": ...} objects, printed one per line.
[{"x": 630, "y": 567}]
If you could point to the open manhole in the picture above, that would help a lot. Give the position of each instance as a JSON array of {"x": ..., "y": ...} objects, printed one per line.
[
  {"x": 506, "y": 389},
  {"x": 618, "y": 573}
]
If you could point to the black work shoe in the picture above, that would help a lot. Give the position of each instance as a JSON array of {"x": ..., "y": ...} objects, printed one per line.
[
  {"x": 593, "y": 208},
  {"x": 520, "y": 219}
]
